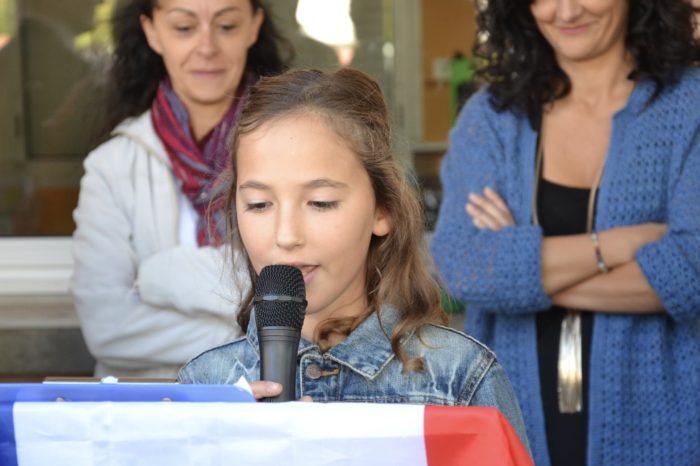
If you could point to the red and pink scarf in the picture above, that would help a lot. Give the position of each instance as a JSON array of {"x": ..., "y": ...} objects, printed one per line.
[{"x": 198, "y": 166}]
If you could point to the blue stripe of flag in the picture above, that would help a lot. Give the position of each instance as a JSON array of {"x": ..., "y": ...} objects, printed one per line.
[{"x": 8, "y": 446}]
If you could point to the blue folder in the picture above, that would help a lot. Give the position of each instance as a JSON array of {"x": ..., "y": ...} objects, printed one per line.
[{"x": 11, "y": 393}]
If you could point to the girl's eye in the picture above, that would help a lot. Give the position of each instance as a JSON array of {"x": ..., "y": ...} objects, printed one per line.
[
  {"x": 323, "y": 205},
  {"x": 257, "y": 206},
  {"x": 183, "y": 29}
]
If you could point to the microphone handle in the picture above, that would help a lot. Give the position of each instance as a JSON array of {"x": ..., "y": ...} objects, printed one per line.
[{"x": 278, "y": 359}]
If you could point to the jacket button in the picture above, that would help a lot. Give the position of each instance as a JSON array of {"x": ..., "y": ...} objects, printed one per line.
[{"x": 313, "y": 371}]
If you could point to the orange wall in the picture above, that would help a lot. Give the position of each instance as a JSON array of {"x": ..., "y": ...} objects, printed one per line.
[{"x": 447, "y": 27}]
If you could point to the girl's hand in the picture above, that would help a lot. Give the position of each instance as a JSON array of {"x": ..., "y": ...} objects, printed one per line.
[
  {"x": 265, "y": 389},
  {"x": 488, "y": 211}
]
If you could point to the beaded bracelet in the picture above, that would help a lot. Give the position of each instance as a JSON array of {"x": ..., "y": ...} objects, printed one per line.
[{"x": 602, "y": 268}]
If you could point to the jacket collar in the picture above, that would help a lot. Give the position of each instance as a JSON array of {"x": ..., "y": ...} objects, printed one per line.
[{"x": 367, "y": 350}]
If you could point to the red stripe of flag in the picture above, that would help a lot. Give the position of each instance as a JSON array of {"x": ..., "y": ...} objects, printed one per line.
[{"x": 471, "y": 435}]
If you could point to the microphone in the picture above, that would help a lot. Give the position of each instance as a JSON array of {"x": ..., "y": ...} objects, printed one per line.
[{"x": 280, "y": 306}]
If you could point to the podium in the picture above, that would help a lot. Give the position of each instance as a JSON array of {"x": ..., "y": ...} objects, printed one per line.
[{"x": 214, "y": 425}]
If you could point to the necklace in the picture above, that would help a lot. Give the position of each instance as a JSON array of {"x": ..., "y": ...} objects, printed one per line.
[{"x": 569, "y": 365}]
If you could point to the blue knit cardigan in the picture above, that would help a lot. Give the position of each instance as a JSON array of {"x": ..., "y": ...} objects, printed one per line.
[{"x": 644, "y": 395}]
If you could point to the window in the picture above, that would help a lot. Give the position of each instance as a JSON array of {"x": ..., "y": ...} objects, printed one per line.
[{"x": 50, "y": 68}]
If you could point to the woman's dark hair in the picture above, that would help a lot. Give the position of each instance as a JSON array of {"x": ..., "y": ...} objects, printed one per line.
[
  {"x": 523, "y": 73},
  {"x": 397, "y": 270},
  {"x": 137, "y": 70}
]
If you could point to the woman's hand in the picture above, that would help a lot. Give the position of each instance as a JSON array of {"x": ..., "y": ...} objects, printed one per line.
[
  {"x": 569, "y": 270},
  {"x": 489, "y": 211},
  {"x": 623, "y": 290},
  {"x": 619, "y": 245},
  {"x": 265, "y": 389}
]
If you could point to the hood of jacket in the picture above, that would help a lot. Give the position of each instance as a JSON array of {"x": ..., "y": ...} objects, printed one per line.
[{"x": 141, "y": 131}]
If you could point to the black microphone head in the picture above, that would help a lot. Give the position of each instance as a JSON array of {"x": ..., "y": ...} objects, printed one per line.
[{"x": 280, "y": 297}]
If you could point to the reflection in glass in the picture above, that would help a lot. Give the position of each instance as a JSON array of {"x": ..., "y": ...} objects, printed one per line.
[
  {"x": 50, "y": 78},
  {"x": 59, "y": 85},
  {"x": 7, "y": 21},
  {"x": 10, "y": 102},
  {"x": 329, "y": 22}
]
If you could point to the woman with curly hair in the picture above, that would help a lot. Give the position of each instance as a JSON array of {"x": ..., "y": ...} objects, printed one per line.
[
  {"x": 571, "y": 223},
  {"x": 149, "y": 285}
]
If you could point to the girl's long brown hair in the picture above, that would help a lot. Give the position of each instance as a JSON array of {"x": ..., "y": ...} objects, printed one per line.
[{"x": 397, "y": 271}]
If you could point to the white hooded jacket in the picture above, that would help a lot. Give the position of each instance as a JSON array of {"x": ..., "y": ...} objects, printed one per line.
[{"x": 146, "y": 303}]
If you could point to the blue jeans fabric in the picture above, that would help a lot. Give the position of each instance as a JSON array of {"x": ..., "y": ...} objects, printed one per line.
[{"x": 458, "y": 370}]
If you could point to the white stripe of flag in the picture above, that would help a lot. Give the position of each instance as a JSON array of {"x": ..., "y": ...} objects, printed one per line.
[{"x": 82, "y": 434}]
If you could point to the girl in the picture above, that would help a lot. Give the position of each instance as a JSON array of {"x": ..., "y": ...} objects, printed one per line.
[
  {"x": 147, "y": 283},
  {"x": 314, "y": 184}
]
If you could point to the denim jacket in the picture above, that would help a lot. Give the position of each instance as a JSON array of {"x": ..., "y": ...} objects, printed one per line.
[{"x": 458, "y": 370}]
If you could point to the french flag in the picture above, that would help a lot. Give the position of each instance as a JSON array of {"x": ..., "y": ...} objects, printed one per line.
[{"x": 280, "y": 434}]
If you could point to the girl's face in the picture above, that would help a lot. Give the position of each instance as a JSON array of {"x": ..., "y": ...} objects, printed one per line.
[
  {"x": 204, "y": 44},
  {"x": 304, "y": 199},
  {"x": 580, "y": 30}
]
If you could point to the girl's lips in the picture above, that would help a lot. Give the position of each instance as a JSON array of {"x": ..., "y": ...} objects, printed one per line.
[{"x": 308, "y": 271}]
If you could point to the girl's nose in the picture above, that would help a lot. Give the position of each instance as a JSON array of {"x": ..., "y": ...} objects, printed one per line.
[{"x": 290, "y": 230}]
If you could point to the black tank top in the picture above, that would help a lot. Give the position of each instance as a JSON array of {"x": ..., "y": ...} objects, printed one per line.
[{"x": 562, "y": 210}]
